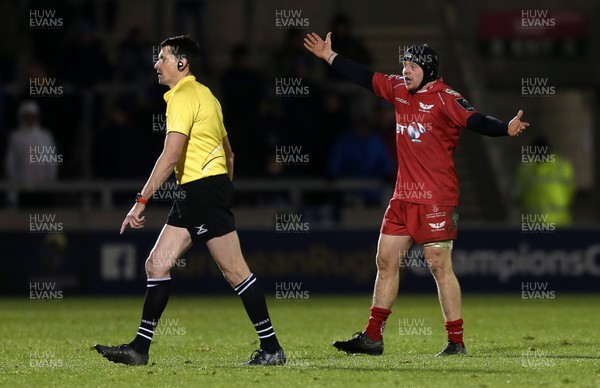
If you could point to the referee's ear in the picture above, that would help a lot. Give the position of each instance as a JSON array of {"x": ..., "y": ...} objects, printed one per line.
[{"x": 182, "y": 63}]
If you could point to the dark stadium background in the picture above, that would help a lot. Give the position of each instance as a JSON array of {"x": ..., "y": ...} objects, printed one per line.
[{"x": 302, "y": 223}]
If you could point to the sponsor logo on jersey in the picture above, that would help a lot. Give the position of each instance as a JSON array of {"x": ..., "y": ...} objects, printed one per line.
[
  {"x": 402, "y": 101},
  {"x": 413, "y": 129}
]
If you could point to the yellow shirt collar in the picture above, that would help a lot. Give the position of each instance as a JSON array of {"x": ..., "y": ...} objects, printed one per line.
[{"x": 185, "y": 79}]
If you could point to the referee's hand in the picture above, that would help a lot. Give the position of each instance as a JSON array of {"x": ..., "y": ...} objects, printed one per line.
[{"x": 134, "y": 218}]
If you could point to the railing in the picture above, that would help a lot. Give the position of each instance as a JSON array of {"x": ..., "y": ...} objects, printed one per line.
[{"x": 294, "y": 189}]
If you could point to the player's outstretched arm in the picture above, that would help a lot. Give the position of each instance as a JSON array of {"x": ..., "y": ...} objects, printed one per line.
[
  {"x": 357, "y": 73},
  {"x": 491, "y": 126}
]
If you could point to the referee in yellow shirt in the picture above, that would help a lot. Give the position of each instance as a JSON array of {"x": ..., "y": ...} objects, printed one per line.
[{"x": 197, "y": 148}]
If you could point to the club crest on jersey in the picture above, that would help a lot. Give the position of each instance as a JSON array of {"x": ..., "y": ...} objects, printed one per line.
[{"x": 425, "y": 107}]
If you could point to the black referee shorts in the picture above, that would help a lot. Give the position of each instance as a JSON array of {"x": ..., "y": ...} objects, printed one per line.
[{"x": 204, "y": 208}]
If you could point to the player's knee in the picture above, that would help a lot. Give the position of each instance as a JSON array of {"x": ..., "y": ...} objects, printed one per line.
[
  {"x": 387, "y": 262},
  {"x": 235, "y": 276},
  {"x": 157, "y": 267},
  {"x": 438, "y": 260},
  {"x": 235, "y": 273}
]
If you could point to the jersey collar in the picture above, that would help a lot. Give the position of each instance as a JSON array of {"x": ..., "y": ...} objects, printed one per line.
[
  {"x": 187, "y": 78},
  {"x": 434, "y": 87}
]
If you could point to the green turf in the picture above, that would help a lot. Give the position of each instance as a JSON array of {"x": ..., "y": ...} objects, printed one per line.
[{"x": 510, "y": 342}]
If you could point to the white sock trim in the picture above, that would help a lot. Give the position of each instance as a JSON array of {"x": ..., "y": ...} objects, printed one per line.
[{"x": 150, "y": 338}]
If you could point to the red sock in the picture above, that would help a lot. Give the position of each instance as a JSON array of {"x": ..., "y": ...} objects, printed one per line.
[
  {"x": 455, "y": 331},
  {"x": 376, "y": 324}
]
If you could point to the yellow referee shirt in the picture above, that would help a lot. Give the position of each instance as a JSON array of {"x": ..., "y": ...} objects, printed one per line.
[{"x": 193, "y": 110}]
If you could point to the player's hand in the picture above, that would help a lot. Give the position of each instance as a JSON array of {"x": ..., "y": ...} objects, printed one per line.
[
  {"x": 321, "y": 48},
  {"x": 134, "y": 218},
  {"x": 516, "y": 126}
]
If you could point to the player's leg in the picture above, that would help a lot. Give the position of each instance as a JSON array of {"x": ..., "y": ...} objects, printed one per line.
[
  {"x": 170, "y": 245},
  {"x": 438, "y": 256},
  {"x": 390, "y": 250},
  {"x": 227, "y": 253}
]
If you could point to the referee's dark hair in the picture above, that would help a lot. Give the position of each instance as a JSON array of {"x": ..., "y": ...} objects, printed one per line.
[{"x": 183, "y": 46}]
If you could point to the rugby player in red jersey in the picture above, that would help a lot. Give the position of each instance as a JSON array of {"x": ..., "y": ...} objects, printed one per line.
[{"x": 429, "y": 119}]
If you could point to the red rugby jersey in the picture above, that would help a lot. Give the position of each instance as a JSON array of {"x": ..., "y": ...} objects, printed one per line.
[{"x": 428, "y": 126}]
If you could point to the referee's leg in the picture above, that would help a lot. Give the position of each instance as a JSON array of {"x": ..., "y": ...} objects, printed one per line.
[
  {"x": 170, "y": 245},
  {"x": 227, "y": 253}
]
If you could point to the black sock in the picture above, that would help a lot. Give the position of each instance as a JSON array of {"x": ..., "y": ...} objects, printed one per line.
[
  {"x": 157, "y": 296},
  {"x": 256, "y": 308}
]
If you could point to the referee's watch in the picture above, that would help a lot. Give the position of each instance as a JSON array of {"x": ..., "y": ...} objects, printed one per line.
[{"x": 140, "y": 199}]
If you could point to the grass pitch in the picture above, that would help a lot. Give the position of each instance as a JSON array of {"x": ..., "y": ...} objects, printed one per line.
[{"x": 202, "y": 340}]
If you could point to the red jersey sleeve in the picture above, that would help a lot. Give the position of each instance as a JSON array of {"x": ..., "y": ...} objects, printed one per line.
[
  {"x": 384, "y": 85},
  {"x": 458, "y": 109}
]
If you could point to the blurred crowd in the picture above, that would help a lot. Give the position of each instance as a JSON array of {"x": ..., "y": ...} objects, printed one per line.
[{"x": 104, "y": 114}]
